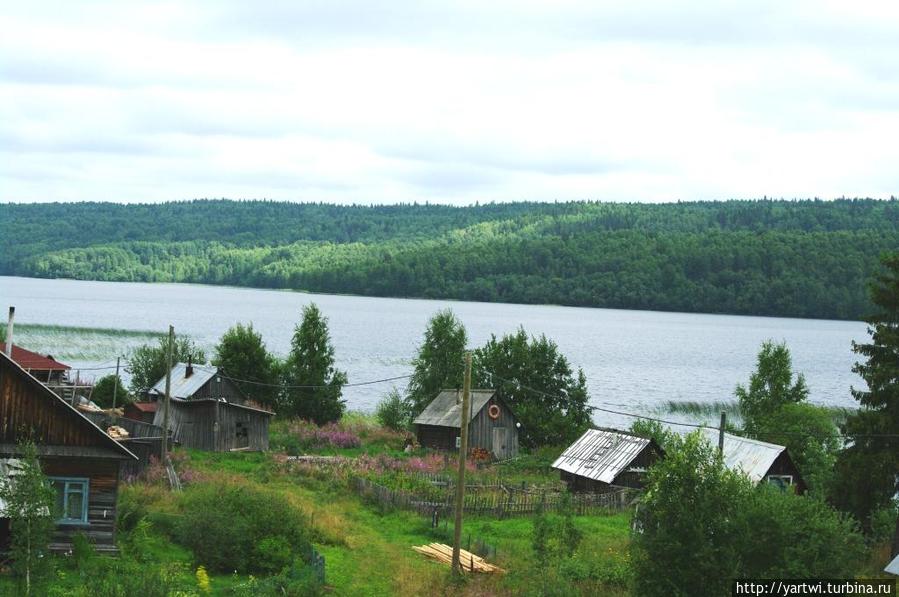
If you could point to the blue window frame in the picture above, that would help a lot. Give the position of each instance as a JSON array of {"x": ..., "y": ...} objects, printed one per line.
[{"x": 71, "y": 499}]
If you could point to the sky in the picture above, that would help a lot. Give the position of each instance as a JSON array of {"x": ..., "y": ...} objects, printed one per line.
[{"x": 358, "y": 101}]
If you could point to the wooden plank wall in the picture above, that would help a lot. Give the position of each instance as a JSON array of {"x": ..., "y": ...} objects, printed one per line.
[
  {"x": 220, "y": 387},
  {"x": 193, "y": 426},
  {"x": 26, "y": 404},
  {"x": 102, "y": 496},
  {"x": 480, "y": 430},
  {"x": 255, "y": 423}
]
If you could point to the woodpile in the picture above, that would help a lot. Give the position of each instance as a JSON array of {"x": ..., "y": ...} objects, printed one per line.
[
  {"x": 116, "y": 432},
  {"x": 469, "y": 561}
]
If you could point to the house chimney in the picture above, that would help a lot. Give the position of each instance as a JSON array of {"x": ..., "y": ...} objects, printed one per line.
[
  {"x": 12, "y": 316},
  {"x": 190, "y": 368}
]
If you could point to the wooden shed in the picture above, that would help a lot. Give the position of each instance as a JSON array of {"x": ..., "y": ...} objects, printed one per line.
[
  {"x": 602, "y": 460},
  {"x": 492, "y": 427},
  {"x": 141, "y": 411},
  {"x": 81, "y": 460},
  {"x": 209, "y": 412},
  {"x": 760, "y": 461}
]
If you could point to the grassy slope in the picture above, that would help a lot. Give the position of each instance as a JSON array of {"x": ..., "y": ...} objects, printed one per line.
[{"x": 369, "y": 553}]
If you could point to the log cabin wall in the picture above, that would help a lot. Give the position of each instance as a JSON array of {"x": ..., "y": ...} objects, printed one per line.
[
  {"x": 437, "y": 437},
  {"x": 103, "y": 476}
]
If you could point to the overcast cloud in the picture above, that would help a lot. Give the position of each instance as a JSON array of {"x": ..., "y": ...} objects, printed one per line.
[{"x": 452, "y": 102}]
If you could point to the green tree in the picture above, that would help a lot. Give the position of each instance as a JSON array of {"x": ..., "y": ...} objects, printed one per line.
[
  {"x": 654, "y": 430},
  {"x": 440, "y": 361},
  {"x": 393, "y": 412},
  {"x": 30, "y": 505},
  {"x": 311, "y": 364},
  {"x": 771, "y": 386},
  {"x": 539, "y": 385},
  {"x": 775, "y": 409},
  {"x": 868, "y": 469},
  {"x": 147, "y": 363},
  {"x": 242, "y": 354},
  {"x": 701, "y": 525},
  {"x": 689, "y": 541},
  {"x": 105, "y": 387}
]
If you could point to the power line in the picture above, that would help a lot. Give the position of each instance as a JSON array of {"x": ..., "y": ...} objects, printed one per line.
[
  {"x": 302, "y": 387},
  {"x": 684, "y": 424}
]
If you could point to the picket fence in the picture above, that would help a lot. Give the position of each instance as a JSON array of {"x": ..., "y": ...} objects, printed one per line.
[{"x": 499, "y": 504}]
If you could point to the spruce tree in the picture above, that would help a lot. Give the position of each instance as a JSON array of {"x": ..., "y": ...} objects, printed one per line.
[
  {"x": 316, "y": 383},
  {"x": 868, "y": 469}
]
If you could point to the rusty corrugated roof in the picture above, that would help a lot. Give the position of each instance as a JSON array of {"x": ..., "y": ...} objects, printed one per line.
[
  {"x": 601, "y": 454},
  {"x": 33, "y": 361}
]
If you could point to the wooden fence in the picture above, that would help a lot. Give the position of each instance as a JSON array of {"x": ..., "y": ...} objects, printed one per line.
[{"x": 499, "y": 504}]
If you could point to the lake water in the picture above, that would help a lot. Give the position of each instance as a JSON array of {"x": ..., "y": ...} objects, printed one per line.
[{"x": 634, "y": 360}]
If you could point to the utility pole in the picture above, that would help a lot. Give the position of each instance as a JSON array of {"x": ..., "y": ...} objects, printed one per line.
[
  {"x": 721, "y": 433},
  {"x": 9, "y": 325},
  {"x": 115, "y": 386},
  {"x": 463, "y": 451},
  {"x": 168, "y": 389}
]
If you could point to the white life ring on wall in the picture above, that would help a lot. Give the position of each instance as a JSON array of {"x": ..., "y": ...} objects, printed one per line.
[{"x": 493, "y": 412}]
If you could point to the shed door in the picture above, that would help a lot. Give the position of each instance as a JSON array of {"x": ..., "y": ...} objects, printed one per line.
[{"x": 500, "y": 448}]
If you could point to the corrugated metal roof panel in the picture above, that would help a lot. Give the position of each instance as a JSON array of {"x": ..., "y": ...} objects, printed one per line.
[
  {"x": 600, "y": 454},
  {"x": 183, "y": 386},
  {"x": 444, "y": 411},
  {"x": 751, "y": 456},
  {"x": 893, "y": 567}
]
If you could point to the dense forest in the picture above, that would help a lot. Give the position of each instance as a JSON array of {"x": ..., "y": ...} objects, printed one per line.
[{"x": 765, "y": 257}]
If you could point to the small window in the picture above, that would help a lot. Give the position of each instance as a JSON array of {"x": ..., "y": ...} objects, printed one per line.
[
  {"x": 781, "y": 481},
  {"x": 242, "y": 431},
  {"x": 71, "y": 499}
]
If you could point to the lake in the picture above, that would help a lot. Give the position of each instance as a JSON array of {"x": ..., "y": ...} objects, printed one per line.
[{"x": 634, "y": 360}]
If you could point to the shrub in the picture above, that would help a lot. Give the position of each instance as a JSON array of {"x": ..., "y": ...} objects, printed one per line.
[
  {"x": 392, "y": 412},
  {"x": 224, "y": 523}
]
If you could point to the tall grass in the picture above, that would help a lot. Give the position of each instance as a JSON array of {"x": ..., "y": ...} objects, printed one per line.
[
  {"x": 713, "y": 408},
  {"x": 84, "y": 344},
  {"x": 697, "y": 408}
]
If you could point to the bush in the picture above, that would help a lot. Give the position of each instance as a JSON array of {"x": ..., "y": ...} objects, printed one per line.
[
  {"x": 237, "y": 527},
  {"x": 392, "y": 412}
]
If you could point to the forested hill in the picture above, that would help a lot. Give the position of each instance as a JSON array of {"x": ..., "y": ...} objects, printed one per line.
[{"x": 787, "y": 258}]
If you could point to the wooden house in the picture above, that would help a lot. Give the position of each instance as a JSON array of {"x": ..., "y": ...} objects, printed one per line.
[
  {"x": 209, "y": 412},
  {"x": 760, "y": 461},
  {"x": 602, "y": 460},
  {"x": 141, "y": 411},
  {"x": 492, "y": 426},
  {"x": 81, "y": 461},
  {"x": 44, "y": 368}
]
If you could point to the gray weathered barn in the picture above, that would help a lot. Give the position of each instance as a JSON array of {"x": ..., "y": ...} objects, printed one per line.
[
  {"x": 81, "y": 461},
  {"x": 602, "y": 460},
  {"x": 492, "y": 426},
  {"x": 760, "y": 461},
  {"x": 209, "y": 412}
]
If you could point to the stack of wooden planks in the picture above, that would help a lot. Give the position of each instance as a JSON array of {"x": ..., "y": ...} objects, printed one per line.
[{"x": 469, "y": 561}]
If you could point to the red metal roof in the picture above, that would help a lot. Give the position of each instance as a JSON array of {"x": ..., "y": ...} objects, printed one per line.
[
  {"x": 145, "y": 407},
  {"x": 33, "y": 361}
]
